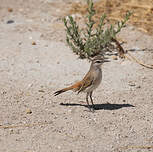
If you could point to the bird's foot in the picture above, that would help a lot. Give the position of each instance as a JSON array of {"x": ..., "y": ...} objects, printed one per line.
[{"x": 91, "y": 109}]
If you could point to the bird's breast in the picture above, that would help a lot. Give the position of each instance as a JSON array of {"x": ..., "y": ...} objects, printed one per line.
[
  {"x": 98, "y": 78},
  {"x": 96, "y": 82}
]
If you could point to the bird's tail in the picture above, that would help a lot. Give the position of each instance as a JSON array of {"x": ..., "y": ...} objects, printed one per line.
[
  {"x": 62, "y": 90},
  {"x": 74, "y": 87}
]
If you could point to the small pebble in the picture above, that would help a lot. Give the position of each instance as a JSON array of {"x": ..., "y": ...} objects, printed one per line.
[
  {"x": 33, "y": 43},
  {"x": 59, "y": 147},
  {"x": 11, "y": 131},
  {"x": 4, "y": 92},
  {"x": 10, "y": 10},
  {"x": 41, "y": 91},
  {"x": 143, "y": 77},
  {"x": 19, "y": 43},
  {"x": 28, "y": 111},
  {"x": 10, "y": 22},
  {"x": 138, "y": 87},
  {"x": 124, "y": 100}
]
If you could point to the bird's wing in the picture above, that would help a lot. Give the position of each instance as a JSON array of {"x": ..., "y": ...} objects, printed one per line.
[{"x": 86, "y": 82}]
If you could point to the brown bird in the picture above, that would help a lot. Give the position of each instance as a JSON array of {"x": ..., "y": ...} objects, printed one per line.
[{"x": 90, "y": 82}]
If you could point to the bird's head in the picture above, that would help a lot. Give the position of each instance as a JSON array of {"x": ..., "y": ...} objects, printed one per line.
[{"x": 99, "y": 60}]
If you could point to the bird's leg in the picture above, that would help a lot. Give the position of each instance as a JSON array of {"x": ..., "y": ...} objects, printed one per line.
[
  {"x": 88, "y": 101},
  {"x": 91, "y": 100}
]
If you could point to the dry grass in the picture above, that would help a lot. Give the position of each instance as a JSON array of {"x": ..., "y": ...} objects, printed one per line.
[{"x": 116, "y": 9}]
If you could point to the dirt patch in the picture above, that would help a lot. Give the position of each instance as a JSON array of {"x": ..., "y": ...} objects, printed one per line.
[
  {"x": 142, "y": 10},
  {"x": 35, "y": 62}
]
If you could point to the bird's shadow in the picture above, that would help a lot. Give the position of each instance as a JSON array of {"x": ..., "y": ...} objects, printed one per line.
[{"x": 106, "y": 106}]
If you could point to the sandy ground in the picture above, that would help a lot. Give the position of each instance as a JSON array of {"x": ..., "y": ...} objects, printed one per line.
[{"x": 33, "y": 120}]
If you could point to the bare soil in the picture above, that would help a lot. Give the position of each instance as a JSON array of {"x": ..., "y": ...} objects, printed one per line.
[
  {"x": 142, "y": 12},
  {"x": 35, "y": 62}
]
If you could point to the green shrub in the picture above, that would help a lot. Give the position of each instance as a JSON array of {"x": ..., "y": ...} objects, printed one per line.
[{"x": 90, "y": 42}]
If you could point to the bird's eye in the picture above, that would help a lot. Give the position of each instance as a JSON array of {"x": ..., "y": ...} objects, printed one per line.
[{"x": 98, "y": 61}]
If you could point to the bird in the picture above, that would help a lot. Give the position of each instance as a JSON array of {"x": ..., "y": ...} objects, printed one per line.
[{"x": 90, "y": 81}]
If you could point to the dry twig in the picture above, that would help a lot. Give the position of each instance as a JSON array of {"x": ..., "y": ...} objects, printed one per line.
[
  {"x": 126, "y": 54},
  {"x": 24, "y": 125}
]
